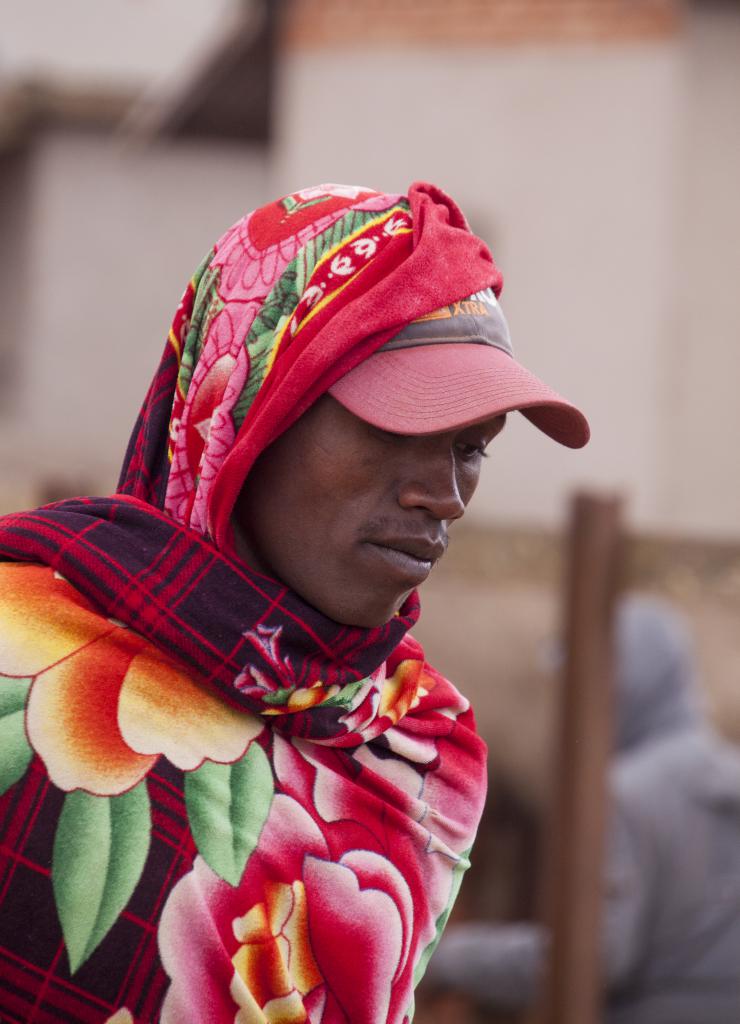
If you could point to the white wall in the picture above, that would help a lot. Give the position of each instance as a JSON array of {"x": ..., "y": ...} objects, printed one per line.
[
  {"x": 703, "y": 359},
  {"x": 116, "y": 41},
  {"x": 572, "y": 161},
  {"x": 114, "y": 234}
]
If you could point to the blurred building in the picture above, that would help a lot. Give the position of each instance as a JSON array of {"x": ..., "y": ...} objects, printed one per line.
[
  {"x": 121, "y": 163},
  {"x": 594, "y": 144}
]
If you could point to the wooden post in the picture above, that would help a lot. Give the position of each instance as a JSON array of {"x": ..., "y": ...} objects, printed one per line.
[{"x": 572, "y": 988}]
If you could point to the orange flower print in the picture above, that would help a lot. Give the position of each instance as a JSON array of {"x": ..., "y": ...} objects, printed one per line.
[
  {"x": 243, "y": 953},
  {"x": 273, "y": 966},
  {"x": 305, "y": 697},
  {"x": 104, "y": 704},
  {"x": 404, "y": 689}
]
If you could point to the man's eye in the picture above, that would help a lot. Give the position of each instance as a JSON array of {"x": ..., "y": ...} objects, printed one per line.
[{"x": 469, "y": 452}]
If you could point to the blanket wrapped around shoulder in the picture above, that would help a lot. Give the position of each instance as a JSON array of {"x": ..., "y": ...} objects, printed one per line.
[{"x": 216, "y": 804}]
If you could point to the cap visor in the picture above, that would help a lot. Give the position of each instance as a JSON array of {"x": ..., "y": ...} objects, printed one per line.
[{"x": 430, "y": 388}]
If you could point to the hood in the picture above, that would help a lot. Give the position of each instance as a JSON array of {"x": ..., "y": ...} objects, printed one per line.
[{"x": 655, "y": 679}]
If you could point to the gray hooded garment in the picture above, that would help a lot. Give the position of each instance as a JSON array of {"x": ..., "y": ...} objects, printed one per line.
[{"x": 671, "y": 914}]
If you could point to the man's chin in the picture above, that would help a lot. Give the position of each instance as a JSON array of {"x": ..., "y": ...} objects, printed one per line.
[{"x": 367, "y": 615}]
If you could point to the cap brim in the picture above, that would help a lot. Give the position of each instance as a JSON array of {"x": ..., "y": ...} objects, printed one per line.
[{"x": 431, "y": 388}]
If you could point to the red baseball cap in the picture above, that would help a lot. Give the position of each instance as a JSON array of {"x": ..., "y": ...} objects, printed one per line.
[{"x": 452, "y": 368}]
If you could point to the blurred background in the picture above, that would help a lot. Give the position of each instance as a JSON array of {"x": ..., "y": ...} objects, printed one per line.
[{"x": 595, "y": 145}]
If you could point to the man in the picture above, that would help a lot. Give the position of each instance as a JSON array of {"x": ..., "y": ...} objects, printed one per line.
[
  {"x": 241, "y": 793},
  {"x": 671, "y": 913}
]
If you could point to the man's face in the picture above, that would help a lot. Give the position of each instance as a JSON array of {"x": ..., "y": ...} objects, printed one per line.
[{"x": 353, "y": 518}]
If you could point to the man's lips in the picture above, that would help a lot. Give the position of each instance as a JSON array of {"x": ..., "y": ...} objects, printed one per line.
[
  {"x": 425, "y": 549},
  {"x": 410, "y": 558}
]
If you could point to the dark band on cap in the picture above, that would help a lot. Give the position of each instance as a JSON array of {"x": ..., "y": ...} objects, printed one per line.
[{"x": 477, "y": 320}]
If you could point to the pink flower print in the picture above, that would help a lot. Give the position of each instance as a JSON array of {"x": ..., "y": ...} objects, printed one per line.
[
  {"x": 250, "y": 272},
  {"x": 194, "y": 430},
  {"x": 221, "y": 436},
  {"x": 427, "y": 851},
  {"x": 226, "y": 949},
  {"x": 332, "y": 189},
  {"x": 379, "y": 201},
  {"x": 283, "y": 945},
  {"x": 362, "y": 896},
  {"x": 266, "y": 640},
  {"x": 205, "y": 432}
]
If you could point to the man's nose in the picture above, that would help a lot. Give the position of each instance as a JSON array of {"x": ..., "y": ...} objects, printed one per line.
[{"x": 431, "y": 484}]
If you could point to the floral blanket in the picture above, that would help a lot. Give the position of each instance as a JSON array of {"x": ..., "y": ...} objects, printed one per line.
[{"x": 167, "y": 856}]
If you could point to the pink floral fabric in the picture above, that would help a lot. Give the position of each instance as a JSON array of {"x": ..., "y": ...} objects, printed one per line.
[
  {"x": 346, "y": 891},
  {"x": 312, "y": 878}
]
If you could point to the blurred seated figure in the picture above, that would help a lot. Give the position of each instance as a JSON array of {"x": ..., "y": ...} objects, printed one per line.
[{"x": 671, "y": 913}]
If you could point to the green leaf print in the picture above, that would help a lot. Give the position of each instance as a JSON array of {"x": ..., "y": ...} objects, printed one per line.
[
  {"x": 458, "y": 871},
  {"x": 346, "y": 695},
  {"x": 260, "y": 341},
  {"x": 15, "y": 750},
  {"x": 206, "y": 304},
  {"x": 100, "y": 848},
  {"x": 227, "y": 806},
  {"x": 280, "y": 697},
  {"x": 315, "y": 248}
]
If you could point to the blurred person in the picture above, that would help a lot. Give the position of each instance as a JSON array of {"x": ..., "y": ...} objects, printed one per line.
[
  {"x": 233, "y": 787},
  {"x": 671, "y": 910}
]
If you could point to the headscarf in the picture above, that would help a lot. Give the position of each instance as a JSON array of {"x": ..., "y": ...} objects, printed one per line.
[
  {"x": 290, "y": 299},
  {"x": 356, "y": 798}
]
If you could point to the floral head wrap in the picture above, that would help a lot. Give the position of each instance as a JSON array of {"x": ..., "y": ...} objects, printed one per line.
[{"x": 292, "y": 297}]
